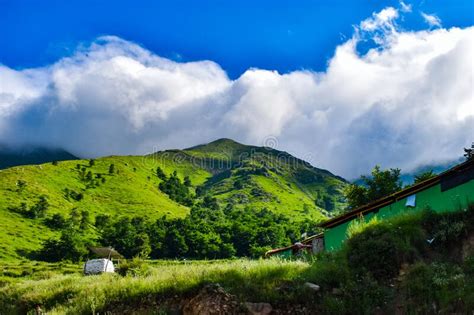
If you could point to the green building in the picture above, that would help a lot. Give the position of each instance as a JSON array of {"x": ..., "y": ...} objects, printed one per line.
[{"x": 452, "y": 190}]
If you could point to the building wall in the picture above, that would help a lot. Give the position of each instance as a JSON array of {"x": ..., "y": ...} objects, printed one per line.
[{"x": 454, "y": 199}]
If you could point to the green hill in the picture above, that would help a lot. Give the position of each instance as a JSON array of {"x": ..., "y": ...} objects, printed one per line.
[{"x": 244, "y": 176}]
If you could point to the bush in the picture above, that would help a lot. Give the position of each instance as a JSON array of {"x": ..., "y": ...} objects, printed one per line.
[
  {"x": 328, "y": 271},
  {"x": 374, "y": 252},
  {"x": 57, "y": 221},
  {"x": 359, "y": 225},
  {"x": 136, "y": 268},
  {"x": 69, "y": 246}
]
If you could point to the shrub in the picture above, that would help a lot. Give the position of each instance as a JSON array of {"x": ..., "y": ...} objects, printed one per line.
[
  {"x": 374, "y": 252},
  {"x": 69, "y": 246},
  {"x": 135, "y": 267},
  {"x": 328, "y": 271},
  {"x": 359, "y": 225},
  {"x": 57, "y": 221}
]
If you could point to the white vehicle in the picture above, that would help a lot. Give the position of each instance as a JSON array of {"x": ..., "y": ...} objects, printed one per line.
[{"x": 98, "y": 266}]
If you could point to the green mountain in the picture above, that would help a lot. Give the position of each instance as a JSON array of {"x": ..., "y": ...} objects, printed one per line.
[{"x": 236, "y": 174}]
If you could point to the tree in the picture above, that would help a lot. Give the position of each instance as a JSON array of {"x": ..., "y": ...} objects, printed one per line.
[
  {"x": 56, "y": 221},
  {"x": 111, "y": 169},
  {"x": 159, "y": 172},
  {"x": 101, "y": 221},
  {"x": 91, "y": 162},
  {"x": 356, "y": 195},
  {"x": 70, "y": 246},
  {"x": 187, "y": 181},
  {"x": 210, "y": 203},
  {"x": 175, "y": 243},
  {"x": 424, "y": 176},
  {"x": 380, "y": 184},
  {"x": 39, "y": 209},
  {"x": 89, "y": 176},
  {"x": 176, "y": 190},
  {"x": 21, "y": 184},
  {"x": 85, "y": 219}
]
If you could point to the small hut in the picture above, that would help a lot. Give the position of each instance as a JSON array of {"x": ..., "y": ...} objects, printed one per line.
[{"x": 102, "y": 264}]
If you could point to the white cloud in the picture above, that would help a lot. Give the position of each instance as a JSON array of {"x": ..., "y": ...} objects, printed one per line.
[
  {"x": 403, "y": 104},
  {"x": 431, "y": 19},
  {"x": 405, "y": 7}
]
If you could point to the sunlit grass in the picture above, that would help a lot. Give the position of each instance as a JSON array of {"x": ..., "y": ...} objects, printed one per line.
[{"x": 76, "y": 294}]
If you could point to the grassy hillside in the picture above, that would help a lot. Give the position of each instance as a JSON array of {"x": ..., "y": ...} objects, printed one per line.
[
  {"x": 385, "y": 268},
  {"x": 265, "y": 178},
  {"x": 243, "y": 176}
]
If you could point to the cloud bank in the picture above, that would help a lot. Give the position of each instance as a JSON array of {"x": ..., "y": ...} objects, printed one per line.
[{"x": 406, "y": 102}]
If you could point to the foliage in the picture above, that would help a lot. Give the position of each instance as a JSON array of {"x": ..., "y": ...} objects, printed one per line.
[
  {"x": 72, "y": 194},
  {"x": 423, "y": 283},
  {"x": 128, "y": 236},
  {"x": 177, "y": 190},
  {"x": 136, "y": 267},
  {"x": 38, "y": 210},
  {"x": 424, "y": 176},
  {"x": 111, "y": 169},
  {"x": 380, "y": 249},
  {"x": 380, "y": 184},
  {"x": 21, "y": 184},
  {"x": 159, "y": 172},
  {"x": 76, "y": 294},
  {"x": 57, "y": 221},
  {"x": 69, "y": 247},
  {"x": 71, "y": 244},
  {"x": 359, "y": 225},
  {"x": 208, "y": 232},
  {"x": 130, "y": 189}
]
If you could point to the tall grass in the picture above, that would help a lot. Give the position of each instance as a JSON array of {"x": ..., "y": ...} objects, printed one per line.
[{"x": 76, "y": 294}]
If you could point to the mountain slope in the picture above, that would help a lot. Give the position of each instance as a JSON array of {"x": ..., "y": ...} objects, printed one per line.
[{"x": 236, "y": 174}]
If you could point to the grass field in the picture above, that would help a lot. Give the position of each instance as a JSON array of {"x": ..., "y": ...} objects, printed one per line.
[
  {"x": 72, "y": 293},
  {"x": 386, "y": 267}
]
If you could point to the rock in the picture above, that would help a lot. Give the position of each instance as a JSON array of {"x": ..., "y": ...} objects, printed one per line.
[
  {"x": 211, "y": 300},
  {"x": 258, "y": 308},
  {"x": 312, "y": 286},
  {"x": 336, "y": 291}
]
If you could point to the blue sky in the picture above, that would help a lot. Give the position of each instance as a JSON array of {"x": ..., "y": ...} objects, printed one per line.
[
  {"x": 344, "y": 85},
  {"x": 276, "y": 35}
]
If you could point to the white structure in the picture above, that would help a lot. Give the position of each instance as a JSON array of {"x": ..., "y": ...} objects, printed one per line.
[{"x": 98, "y": 266}]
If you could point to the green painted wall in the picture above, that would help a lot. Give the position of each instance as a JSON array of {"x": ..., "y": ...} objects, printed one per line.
[{"x": 454, "y": 199}]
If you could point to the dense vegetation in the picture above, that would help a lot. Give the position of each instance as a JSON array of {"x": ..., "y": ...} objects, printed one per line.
[
  {"x": 381, "y": 183},
  {"x": 207, "y": 232},
  {"x": 419, "y": 263}
]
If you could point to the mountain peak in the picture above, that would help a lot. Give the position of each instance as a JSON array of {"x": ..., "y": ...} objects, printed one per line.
[{"x": 222, "y": 145}]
